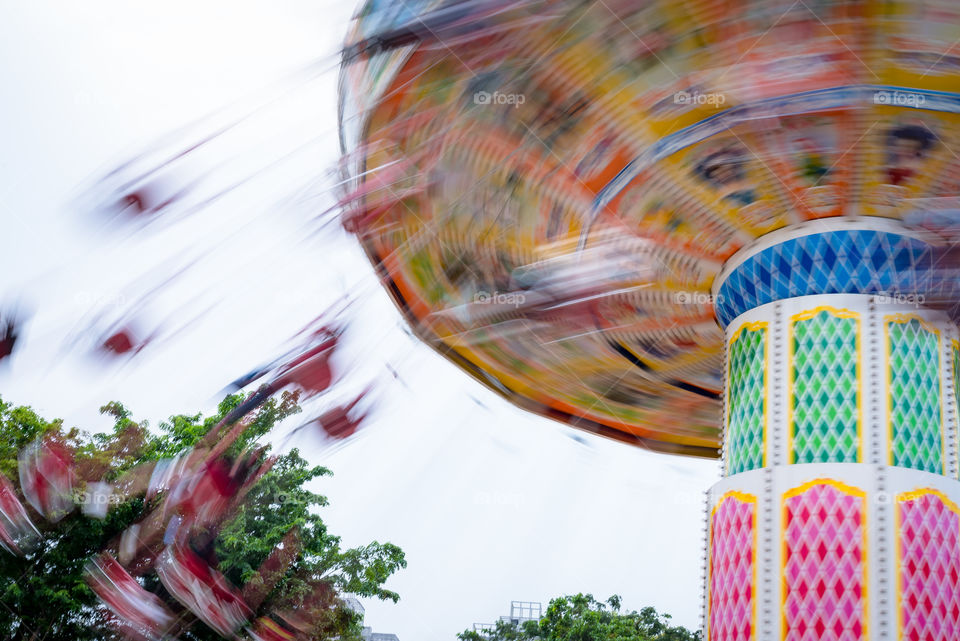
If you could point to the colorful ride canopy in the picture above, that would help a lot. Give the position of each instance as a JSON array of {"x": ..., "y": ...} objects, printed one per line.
[{"x": 549, "y": 189}]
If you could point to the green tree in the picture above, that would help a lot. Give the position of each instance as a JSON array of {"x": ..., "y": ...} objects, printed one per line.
[
  {"x": 44, "y": 595},
  {"x": 580, "y": 617}
]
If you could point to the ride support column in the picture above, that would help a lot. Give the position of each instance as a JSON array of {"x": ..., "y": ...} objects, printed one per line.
[{"x": 837, "y": 517}]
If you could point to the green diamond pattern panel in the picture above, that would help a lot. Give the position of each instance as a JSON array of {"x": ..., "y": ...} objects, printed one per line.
[
  {"x": 746, "y": 414},
  {"x": 916, "y": 434},
  {"x": 825, "y": 394}
]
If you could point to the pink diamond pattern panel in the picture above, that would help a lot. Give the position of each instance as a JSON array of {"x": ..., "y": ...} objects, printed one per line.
[
  {"x": 824, "y": 554},
  {"x": 929, "y": 567},
  {"x": 732, "y": 568}
]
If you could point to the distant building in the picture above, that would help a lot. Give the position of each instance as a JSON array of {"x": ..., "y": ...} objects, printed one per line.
[
  {"x": 354, "y": 604},
  {"x": 368, "y": 634},
  {"x": 520, "y": 611}
]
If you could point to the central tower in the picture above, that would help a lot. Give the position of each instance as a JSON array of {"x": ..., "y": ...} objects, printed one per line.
[{"x": 837, "y": 518}]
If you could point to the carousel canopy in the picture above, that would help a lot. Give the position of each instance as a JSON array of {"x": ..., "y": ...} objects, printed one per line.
[{"x": 570, "y": 200}]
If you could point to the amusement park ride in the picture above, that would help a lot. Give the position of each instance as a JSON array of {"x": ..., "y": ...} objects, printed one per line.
[
  {"x": 701, "y": 227},
  {"x": 714, "y": 228}
]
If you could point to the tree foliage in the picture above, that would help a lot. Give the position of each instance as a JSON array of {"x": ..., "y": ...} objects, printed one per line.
[
  {"x": 44, "y": 595},
  {"x": 580, "y": 617}
]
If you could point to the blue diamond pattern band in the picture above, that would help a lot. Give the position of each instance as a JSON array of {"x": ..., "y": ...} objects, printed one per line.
[{"x": 836, "y": 262}]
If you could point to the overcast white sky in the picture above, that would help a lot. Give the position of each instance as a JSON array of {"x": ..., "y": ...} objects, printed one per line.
[{"x": 490, "y": 504}]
